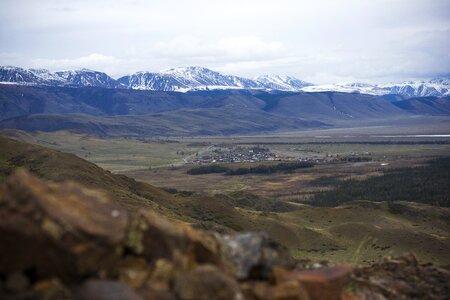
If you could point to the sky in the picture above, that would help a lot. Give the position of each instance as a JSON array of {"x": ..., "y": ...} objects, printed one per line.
[{"x": 320, "y": 41}]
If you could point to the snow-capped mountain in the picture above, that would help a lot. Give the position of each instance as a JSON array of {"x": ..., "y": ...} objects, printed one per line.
[
  {"x": 19, "y": 75},
  {"x": 184, "y": 79},
  {"x": 75, "y": 78},
  {"x": 437, "y": 87},
  {"x": 284, "y": 83},
  {"x": 199, "y": 78},
  {"x": 354, "y": 87},
  {"x": 150, "y": 81},
  {"x": 86, "y": 77}
]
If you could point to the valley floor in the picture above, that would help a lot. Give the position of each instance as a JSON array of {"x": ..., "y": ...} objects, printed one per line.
[{"x": 360, "y": 231}]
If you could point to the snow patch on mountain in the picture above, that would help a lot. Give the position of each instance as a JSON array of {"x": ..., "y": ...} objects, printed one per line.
[
  {"x": 437, "y": 87},
  {"x": 186, "y": 79},
  {"x": 199, "y": 78},
  {"x": 284, "y": 83},
  {"x": 75, "y": 78}
]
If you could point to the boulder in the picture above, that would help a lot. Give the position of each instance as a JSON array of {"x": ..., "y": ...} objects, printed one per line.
[
  {"x": 133, "y": 271},
  {"x": 324, "y": 283},
  {"x": 51, "y": 289},
  {"x": 207, "y": 282},
  {"x": 17, "y": 282},
  {"x": 289, "y": 290},
  {"x": 263, "y": 290},
  {"x": 154, "y": 237},
  {"x": 67, "y": 231},
  {"x": 251, "y": 254},
  {"x": 105, "y": 290},
  {"x": 58, "y": 229}
]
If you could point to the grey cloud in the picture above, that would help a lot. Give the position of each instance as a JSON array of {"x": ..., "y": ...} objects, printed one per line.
[{"x": 322, "y": 40}]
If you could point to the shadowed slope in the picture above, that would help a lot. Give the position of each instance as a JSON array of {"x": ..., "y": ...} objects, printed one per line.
[{"x": 57, "y": 166}]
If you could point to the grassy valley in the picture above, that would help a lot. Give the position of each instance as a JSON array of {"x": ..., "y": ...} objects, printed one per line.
[{"x": 284, "y": 204}]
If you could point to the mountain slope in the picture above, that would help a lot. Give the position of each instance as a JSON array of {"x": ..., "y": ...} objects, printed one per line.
[
  {"x": 331, "y": 106},
  {"x": 437, "y": 87},
  {"x": 194, "y": 78},
  {"x": 281, "y": 83},
  {"x": 75, "y": 78},
  {"x": 176, "y": 79},
  {"x": 121, "y": 112},
  {"x": 426, "y": 105},
  {"x": 199, "y": 78},
  {"x": 217, "y": 121},
  {"x": 21, "y": 100},
  {"x": 58, "y": 166}
]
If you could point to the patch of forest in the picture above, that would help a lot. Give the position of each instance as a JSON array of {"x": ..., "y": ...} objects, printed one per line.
[
  {"x": 259, "y": 169},
  {"x": 428, "y": 184}
]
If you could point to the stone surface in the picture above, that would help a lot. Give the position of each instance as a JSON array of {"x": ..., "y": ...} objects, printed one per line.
[
  {"x": 207, "y": 282},
  {"x": 250, "y": 254},
  {"x": 51, "y": 289},
  {"x": 289, "y": 290},
  {"x": 402, "y": 278},
  {"x": 153, "y": 237},
  {"x": 17, "y": 282},
  {"x": 323, "y": 284},
  {"x": 257, "y": 290},
  {"x": 133, "y": 271},
  {"x": 149, "y": 294},
  {"x": 57, "y": 229},
  {"x": 105, "y": 290}
]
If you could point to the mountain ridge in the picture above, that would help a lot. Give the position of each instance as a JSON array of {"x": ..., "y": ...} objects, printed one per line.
[{"x": 184, "y": 79}]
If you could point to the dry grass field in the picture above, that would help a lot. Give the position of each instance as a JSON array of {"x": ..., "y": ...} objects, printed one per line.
[{"x": 356, "y": 232}]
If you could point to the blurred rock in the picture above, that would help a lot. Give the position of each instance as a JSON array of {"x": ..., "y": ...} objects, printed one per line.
[
  {"x": 57, "y": 229},
  {"x": 153, "y": 237},
  {"x": 256, "y": 290},
  {"x": 51, "y": 289},
  {"x": 17, "y": 282},
  {"x": 402, "y": 277},
  {"x": 207, "y": 282},
  {"x": 324, "y": 283},
  {"x": 251, "y": 254},
  {"x": 149, "y": 294},
  {"x": 163, "y": 275},
  {"x": 105, "y": 290},
  {"x": 263, "y": 290},
  {"x": 289, "y": 290},
  {"x": 133, "y": 271}
]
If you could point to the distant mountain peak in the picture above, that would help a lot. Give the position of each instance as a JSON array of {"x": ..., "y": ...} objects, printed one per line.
[
  {"x": 201, "y": 78},
  {"x": 188, "y": 78},
  {"x": 74, "y": 78}
]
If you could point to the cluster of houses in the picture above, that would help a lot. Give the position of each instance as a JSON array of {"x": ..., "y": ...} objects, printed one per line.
[
  {"x": 239, "y": 154},
  {"x": 235, "y": 154}
]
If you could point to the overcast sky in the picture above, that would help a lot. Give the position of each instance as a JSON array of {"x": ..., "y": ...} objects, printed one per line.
[{"x": 321, "y": 41}]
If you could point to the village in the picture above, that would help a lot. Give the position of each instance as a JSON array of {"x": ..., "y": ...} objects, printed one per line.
[
  {"x": 241, "y": 154},
  {"x": 236, "y": 154}
]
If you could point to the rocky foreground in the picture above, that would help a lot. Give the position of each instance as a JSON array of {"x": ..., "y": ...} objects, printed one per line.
[{"x": 63, "y": 241}]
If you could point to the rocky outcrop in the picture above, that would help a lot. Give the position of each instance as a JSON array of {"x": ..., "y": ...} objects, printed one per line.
[
  {"x": 251, "y": 254},
  {"x": 66, "y": 232},
  {"x": 402, "y": 278},
  {"x": 63, "y": 241}
]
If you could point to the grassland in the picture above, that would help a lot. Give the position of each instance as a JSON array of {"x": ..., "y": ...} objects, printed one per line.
[
  {"x": 115, "y": 154},
  {"x": 355, "y": 232}
]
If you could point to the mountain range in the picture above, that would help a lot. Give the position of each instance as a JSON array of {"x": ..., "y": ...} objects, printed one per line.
[
  {"x": 128, "y": 112},
  {"x": 198, "y": 78}
]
